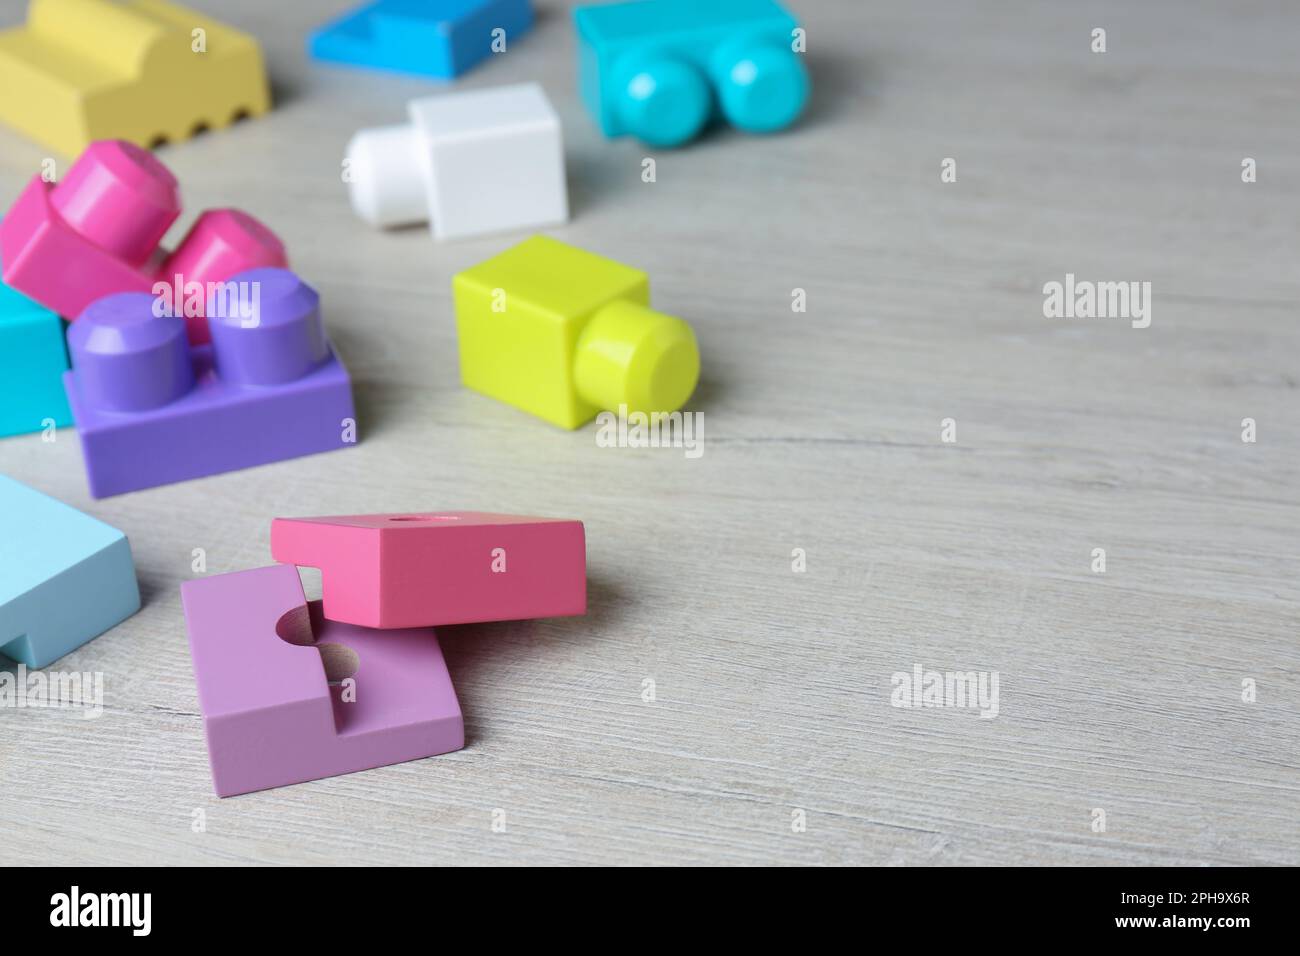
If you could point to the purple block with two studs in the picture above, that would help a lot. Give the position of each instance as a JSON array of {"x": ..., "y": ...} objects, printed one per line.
[{"x": 151, "y": 409}]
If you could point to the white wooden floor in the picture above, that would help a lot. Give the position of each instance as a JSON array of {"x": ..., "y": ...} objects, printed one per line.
[{"x": 1119, "y": 692}]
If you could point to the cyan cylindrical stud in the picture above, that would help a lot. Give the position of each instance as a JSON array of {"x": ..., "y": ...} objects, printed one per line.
[
  {"x": 662, "y": 101},
  {"x": 762, "y": 86},
  {"x": 266, "y": 328},
  {"x": 119, "y": 197},
  {"x": 128, "y": 359}
]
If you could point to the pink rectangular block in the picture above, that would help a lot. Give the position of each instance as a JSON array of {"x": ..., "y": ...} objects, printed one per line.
[
  {"x": 451, "y": 567},
  {"x": 97, "y": 232},
  {"x": 270, "y": 713},
  {"x": 57, "y": 266}
]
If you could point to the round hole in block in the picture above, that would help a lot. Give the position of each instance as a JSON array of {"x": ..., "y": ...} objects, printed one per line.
[
  {"x": 199, "y": 129},
  {"x": 240, "y": 115},
  {"x": 340, "y": 662},
  {"x": 158, "y": 142},
  {"x": 294, "y": 627}
]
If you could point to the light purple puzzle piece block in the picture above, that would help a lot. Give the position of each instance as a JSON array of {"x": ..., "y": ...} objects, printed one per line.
[
  {"x": 150, "y": 409},
  {"x": 270, "y": 712}
]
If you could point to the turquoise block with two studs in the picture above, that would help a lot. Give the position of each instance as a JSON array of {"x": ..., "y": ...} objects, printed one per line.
[
  {"x": 65, "y": 577},
  {"x": 662, "y": 70},
  {"x": 33, "y": 358}
]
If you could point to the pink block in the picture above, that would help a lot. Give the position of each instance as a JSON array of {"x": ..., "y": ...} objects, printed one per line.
[
  {"x": 97, "y": 232},
  {"x": 451, "y": 567},
  {"x": 270, "y": 714}
]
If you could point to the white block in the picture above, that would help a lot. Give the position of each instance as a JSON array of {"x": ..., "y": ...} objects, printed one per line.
[{"x": 468, "y": 163}]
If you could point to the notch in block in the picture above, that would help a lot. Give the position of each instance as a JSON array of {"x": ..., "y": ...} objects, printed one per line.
[{"x": 288, "y": 696}]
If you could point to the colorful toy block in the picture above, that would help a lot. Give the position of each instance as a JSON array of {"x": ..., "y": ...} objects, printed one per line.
[
  {"x": 152, "y": 409},
  {"x": 661, "y": 69},
  {"x": 436, "y": 38},
  {"x": 144, "y": 71},
  {"x": 288, "y": 696},
  {"x": 467, "y": 163},
  {"x": 564, "y": 333},
  {"x": 33, "y": 358},
  {"x": 97, "y": 232},
  {"x": 65, "y": 578},
  {"x": 449, "y": 567}
]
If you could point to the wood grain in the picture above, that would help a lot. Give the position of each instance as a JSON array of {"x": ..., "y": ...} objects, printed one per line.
[{"x": 1120, "y": 691}]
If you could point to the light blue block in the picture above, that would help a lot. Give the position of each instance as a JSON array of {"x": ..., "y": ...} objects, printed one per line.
[
  {"x": 64, "y": 576},
  {"x": 661, "y": 70},
  {"x": 437, "y": 38},
  {"x": 33, "y": 358}
]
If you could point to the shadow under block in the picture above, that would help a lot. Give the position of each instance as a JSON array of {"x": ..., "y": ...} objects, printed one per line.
[
  {"x": 151, "y": 409},
  {"x": 450, "y": 567},
  {"x": 563, "y": 334},
  {"x": 271, "y": 714},
  {"x": 467, "y": 163},
  {"x": 98, "y": 231},
  {"x": 662, "y": 69},
  {"x": 435, "y": 38},
  {"x": 33, "y": 359},
  {"x": 83, "y": 70},
  {"x": 65, "y": 577}
]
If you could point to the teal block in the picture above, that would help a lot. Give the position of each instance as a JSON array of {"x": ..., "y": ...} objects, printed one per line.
[
  {"x": 65, "y": 577},
  {"x": 33, "y": 358},
  {"x": 661, "y": 70}
]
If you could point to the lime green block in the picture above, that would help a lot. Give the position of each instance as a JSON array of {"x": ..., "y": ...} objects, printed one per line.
[{"x": 564, "y": 334}]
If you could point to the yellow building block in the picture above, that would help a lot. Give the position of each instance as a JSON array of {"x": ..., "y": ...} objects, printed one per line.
[
  {"x": 144, "y": 71},
  {"x": 564, "y": 333}
]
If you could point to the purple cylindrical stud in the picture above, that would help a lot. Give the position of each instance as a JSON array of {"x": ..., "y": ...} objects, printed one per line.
[
  {"x": 119, "y": 197},
  {"x": 266, "y": 327},
  {"x": 128, "y": 359}
]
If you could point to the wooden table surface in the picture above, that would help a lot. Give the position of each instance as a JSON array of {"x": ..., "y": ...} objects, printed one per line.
[{"x": 771, "y": 737}]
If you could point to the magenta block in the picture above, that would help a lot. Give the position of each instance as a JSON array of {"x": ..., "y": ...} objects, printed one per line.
[
  {"x": 152, "y": 409},
  {"x": 447, "y": 567},
  {"x": 263, "y": 662},
  {"x": 97, "y": 232}
]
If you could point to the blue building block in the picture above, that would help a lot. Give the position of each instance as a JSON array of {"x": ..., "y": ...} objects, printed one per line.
[
  {"x": 661, "y": 69},
  {"x": 33, "y": 358},
  {"x": 64, "y": 577},
  {"x": 438, "y": 38}
]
